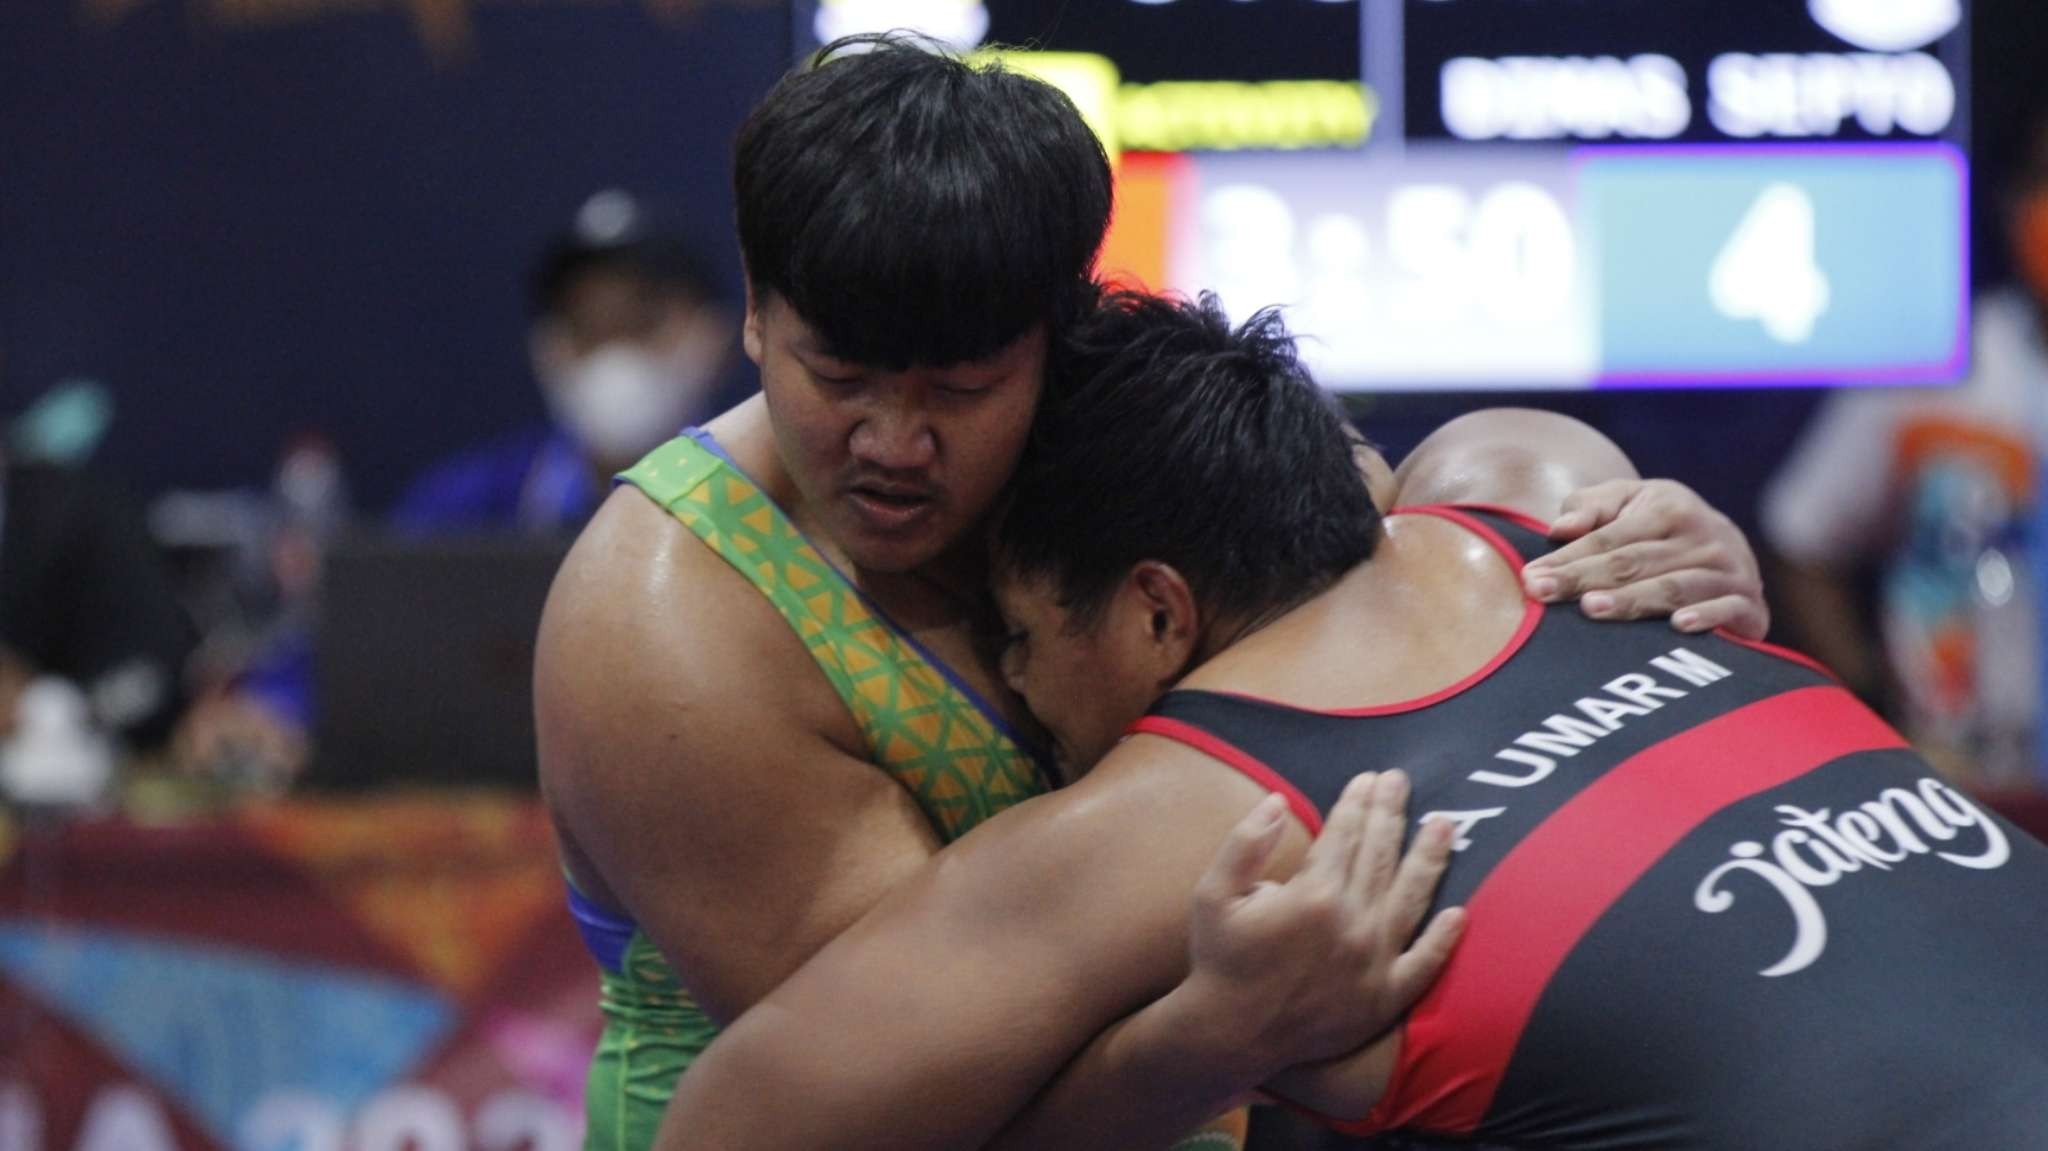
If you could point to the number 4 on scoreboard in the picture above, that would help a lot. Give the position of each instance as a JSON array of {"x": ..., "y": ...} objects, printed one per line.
[{"x": 1766, "y": 271}]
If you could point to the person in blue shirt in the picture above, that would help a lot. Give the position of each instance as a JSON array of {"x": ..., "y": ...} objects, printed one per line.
[{"x": 630, "y": 341}]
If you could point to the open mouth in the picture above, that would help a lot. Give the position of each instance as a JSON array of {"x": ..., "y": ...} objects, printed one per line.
[{"x": 891, "y": 509}]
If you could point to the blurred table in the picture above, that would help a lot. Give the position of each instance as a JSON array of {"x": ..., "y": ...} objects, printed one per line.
[{"x": 386, "y": 974}]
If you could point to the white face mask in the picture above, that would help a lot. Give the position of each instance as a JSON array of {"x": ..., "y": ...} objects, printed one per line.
[{"x": 622, "y": 400}]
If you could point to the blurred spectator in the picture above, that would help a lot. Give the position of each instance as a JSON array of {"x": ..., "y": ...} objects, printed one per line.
[
  {"x": 248, "y": 729},
  {"x": 84, "y": 597},
  {"x": 629, "y": 342},
  {"x": 1939, "y": 487}
]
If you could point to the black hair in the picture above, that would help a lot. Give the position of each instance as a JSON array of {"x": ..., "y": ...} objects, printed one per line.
[
  {"x": 1166, "y": 434},
  {"x": 915, "y": 208}
]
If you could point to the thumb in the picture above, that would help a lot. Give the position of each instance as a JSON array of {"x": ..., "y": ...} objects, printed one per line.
[
  {"x": 1590, "y": 507},
  {"x": 1242, "y": 859}
]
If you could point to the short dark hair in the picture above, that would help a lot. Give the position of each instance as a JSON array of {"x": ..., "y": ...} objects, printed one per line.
[
  {"x": 1166, "y": 434},
  {"x": 915, "y": 208}
]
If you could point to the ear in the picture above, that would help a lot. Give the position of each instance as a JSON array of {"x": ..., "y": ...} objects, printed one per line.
[
  {"x": 1172, "y": 620},
  {"x": 753, "y": 337}
]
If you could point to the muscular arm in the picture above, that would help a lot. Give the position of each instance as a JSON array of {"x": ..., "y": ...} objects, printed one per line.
[
  {"x": 1054, "y": 921},
  {"x": 1518, "y": 458},
  {"x": 1240, "y": 932},
  {"x": 733, "y": 823},
  {"x": 934, "y": 1019}
]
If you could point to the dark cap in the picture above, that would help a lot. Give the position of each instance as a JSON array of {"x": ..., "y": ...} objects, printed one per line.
[{"x": 613, "y": 230}]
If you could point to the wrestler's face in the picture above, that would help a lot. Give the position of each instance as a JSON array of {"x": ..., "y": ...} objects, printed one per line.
[
  {"x": 1085, "y": 682},
  {"x": 897, "y": 467}
]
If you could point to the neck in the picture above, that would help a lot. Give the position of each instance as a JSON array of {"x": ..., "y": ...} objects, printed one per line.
[{"x": 960, "y": 573}]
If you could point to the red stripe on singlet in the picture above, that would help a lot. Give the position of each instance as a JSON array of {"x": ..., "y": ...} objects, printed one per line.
[
  {"x": 1514, "y": 515},
  {"x": 1529, "y": 914},
  {"x": 1247, "y": 764}
]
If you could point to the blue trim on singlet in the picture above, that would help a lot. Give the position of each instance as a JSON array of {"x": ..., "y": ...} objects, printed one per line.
[
  {"x": 605, "y": 932},
  {"x": 988, "y": 712},
  {"x": 711, "y": 444}
]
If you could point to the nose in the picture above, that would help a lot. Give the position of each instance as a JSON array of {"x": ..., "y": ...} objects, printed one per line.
[{"x": 895, "y": 435}]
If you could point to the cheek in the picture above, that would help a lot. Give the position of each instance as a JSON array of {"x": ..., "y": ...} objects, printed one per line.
[
  {"x": 808, "y": 430},
  {"x": 1098, "y": 697},
  {"x": 987, "y": 444},
  {"x": 1047, "y": 681}
]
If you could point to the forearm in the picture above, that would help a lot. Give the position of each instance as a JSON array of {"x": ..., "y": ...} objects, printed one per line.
[
  {"x": 1348, "y": 1087},
  {"x": 1146, "y": 1082}
]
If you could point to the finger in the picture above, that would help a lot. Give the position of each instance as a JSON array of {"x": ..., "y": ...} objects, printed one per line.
[
  {"x": 1745, "y": 615},
  {"x": 1329, "y": 857},
  {"x": 1590, "y": 507},
  {"x": 1568, "y": 566},
  {"x": 1416, "y": 880},
  {"x": 1410, "y": 975},
  {"x": 1616, "y": 567},
  {"x": 1650, "y": 510},
  {"x": 1245, "y": 852},
  {"x": 1379, "y": 848},
  {"x": 1660, "y": 596}
]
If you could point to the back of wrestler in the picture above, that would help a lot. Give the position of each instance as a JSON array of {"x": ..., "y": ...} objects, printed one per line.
[
  {"x": 1711, "y": 900},
  {"x": 1713, "y": 903}
]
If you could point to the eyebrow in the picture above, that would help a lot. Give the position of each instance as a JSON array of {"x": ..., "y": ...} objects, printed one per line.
[{"x": 813, "y": 344}]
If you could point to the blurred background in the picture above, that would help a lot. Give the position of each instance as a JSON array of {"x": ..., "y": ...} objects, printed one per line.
[{"x": 323, "y": 322}]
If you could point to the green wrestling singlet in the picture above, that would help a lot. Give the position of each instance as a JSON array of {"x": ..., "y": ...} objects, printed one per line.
[{"x": 924, "y": 727}]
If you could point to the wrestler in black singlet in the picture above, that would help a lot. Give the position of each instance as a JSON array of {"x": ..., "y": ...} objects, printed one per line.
[{"x": 1715, "y": 902}]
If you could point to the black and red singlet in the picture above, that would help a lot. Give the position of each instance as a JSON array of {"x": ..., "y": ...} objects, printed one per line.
[{"x": 1714, "y": 901}]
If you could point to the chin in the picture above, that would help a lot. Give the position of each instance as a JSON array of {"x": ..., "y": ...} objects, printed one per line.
[{"x": 890, "y": 556}]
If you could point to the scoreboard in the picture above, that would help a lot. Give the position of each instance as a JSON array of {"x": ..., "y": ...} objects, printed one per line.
[{"x": 1527, "y": 193}]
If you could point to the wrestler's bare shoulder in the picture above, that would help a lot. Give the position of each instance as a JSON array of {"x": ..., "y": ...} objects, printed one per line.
[
  {"x": 702, "y": 774},
  {"x": 646, "y": 614}
]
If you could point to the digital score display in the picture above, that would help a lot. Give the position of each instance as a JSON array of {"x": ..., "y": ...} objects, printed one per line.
[
  {"x": 1488, "y": 268},
  {"x": 1490, "y": 194},
  {"x": 1682, "y": 70}
]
